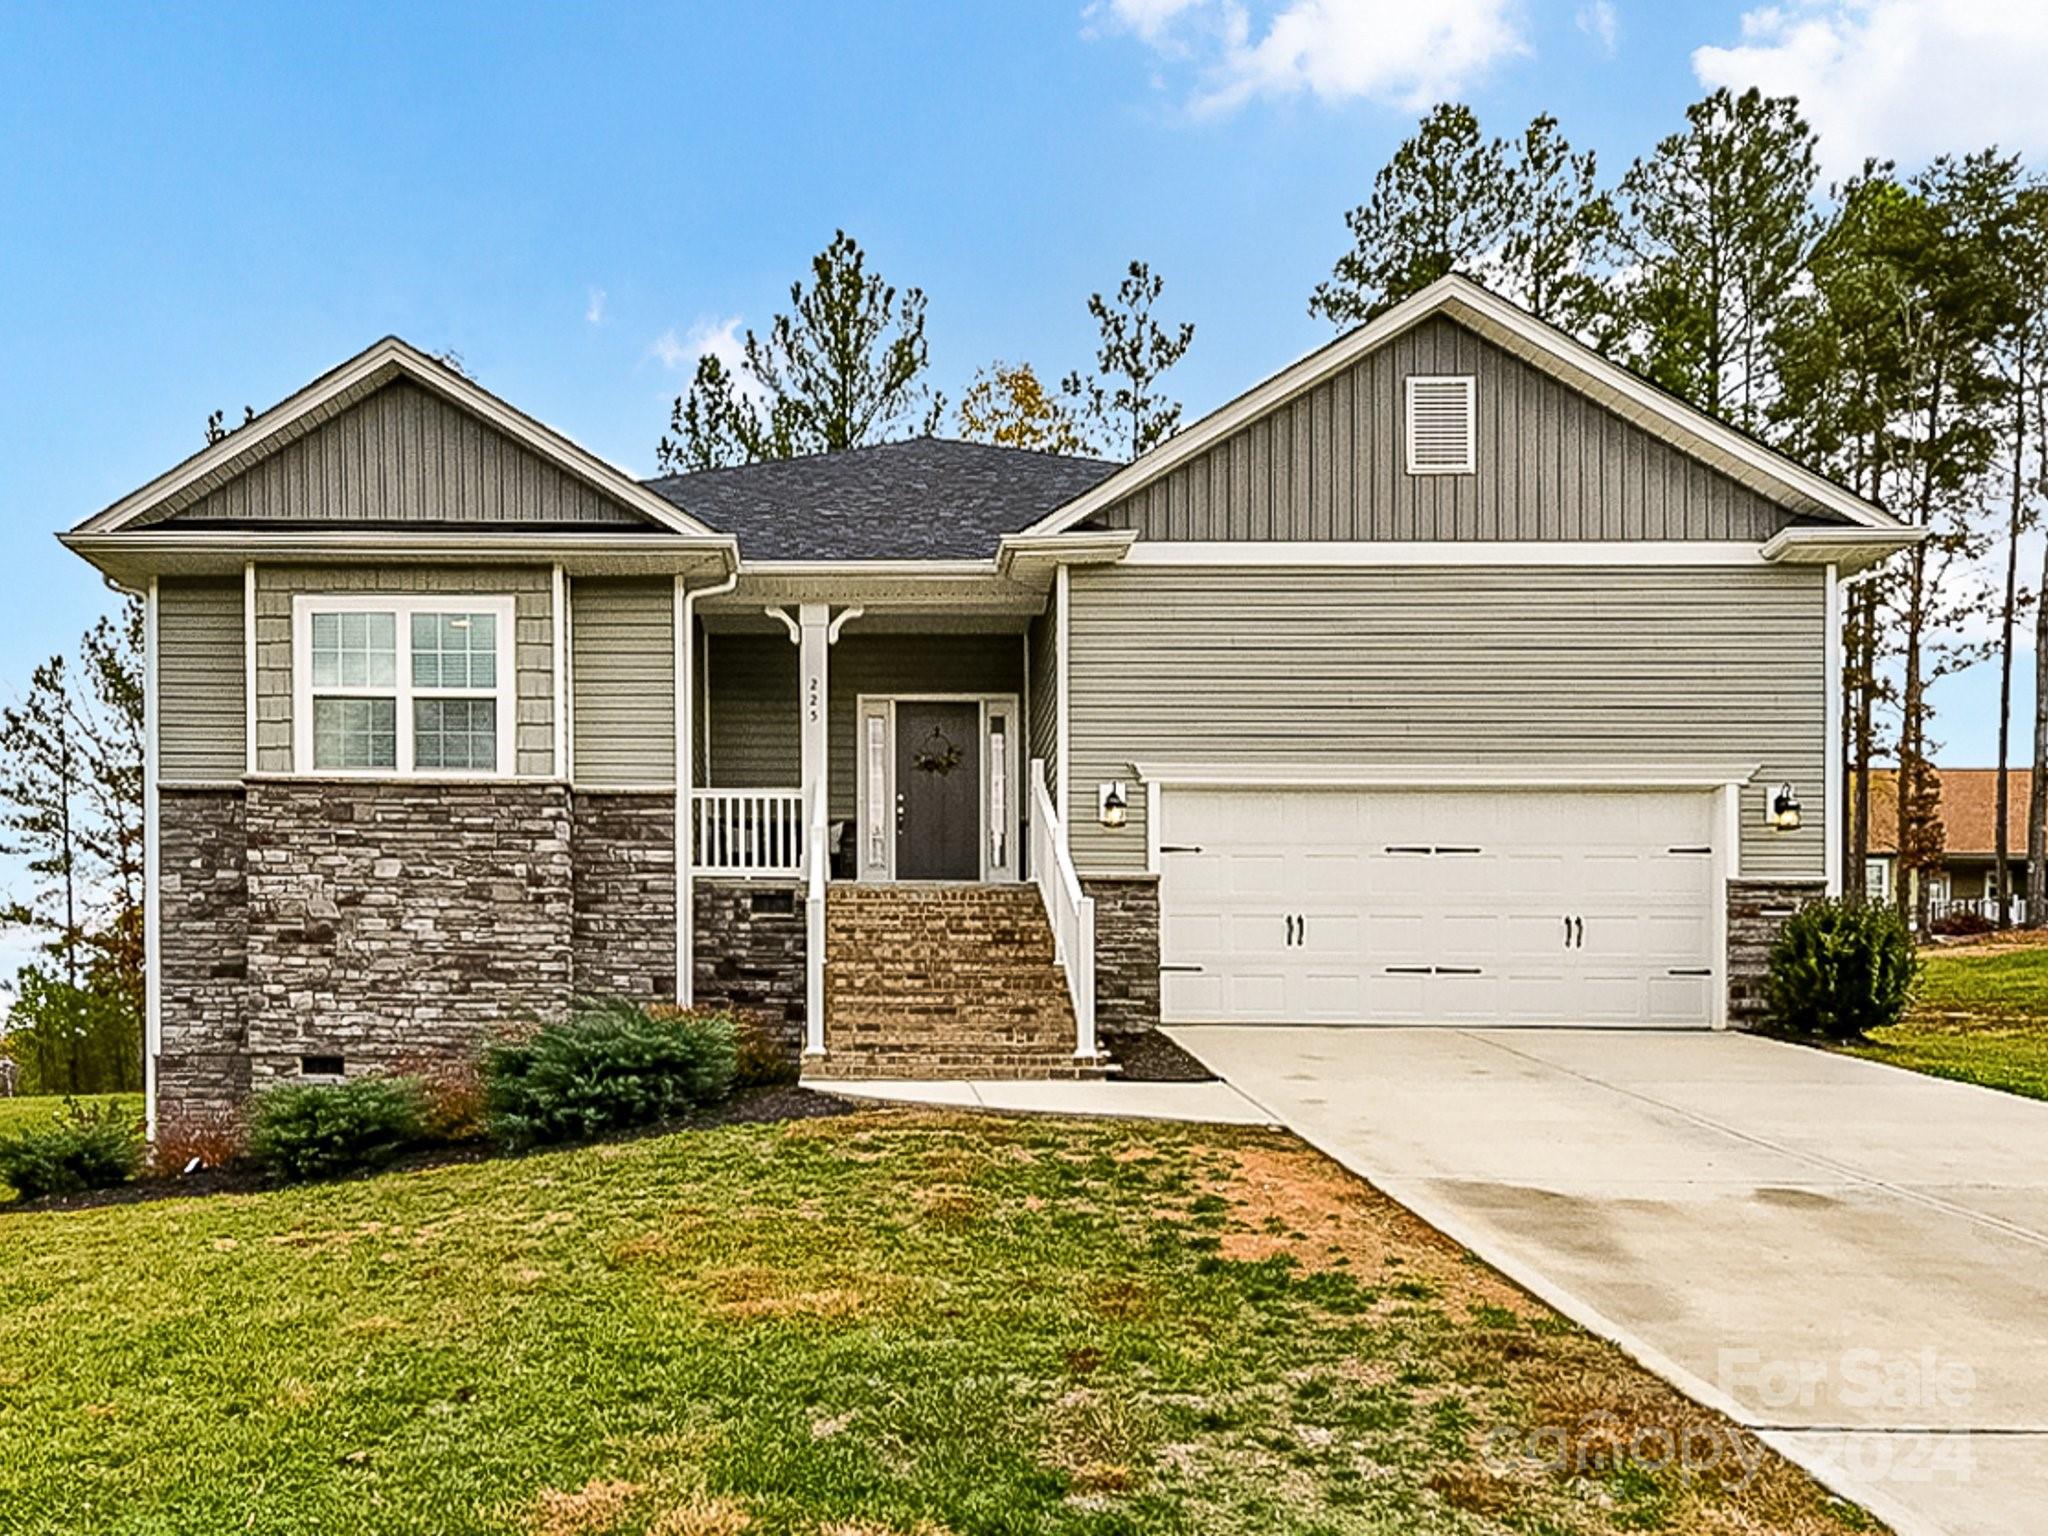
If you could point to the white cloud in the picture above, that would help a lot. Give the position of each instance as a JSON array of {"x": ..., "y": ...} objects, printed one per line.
[
  {"x": 1408, "y": 52},
  {"x": 1898, "y": 79},
  {"x": 593, "y": 311},
  {"x": 1599, "y": 22},
  {"x": 713, "y": 338}
]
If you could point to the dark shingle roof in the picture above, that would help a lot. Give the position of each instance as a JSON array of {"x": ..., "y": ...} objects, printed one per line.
[{"x": 925, "y": 498}]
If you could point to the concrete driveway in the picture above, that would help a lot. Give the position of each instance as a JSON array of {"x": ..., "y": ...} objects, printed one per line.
[{"x": 1848, "y": 1258}]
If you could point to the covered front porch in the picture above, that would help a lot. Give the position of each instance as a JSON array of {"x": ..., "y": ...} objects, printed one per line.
[{"x": 888, "y": 739}]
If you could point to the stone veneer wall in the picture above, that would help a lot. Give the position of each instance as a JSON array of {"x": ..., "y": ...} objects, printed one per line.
[
  {"x": 1757, "y": 909},
  {"x": 750, "y": 953},
  {"x": 202, "y": 1061},
  {"x": 625, "y": 895},
  {"x": 1126, "y": 951},
  {"x": 389, "y": 920}
]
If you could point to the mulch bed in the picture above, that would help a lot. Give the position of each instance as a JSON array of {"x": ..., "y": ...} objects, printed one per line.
[
  {"x": 750, "y": 1106},
  {"x": 1147, "y": 1056}
]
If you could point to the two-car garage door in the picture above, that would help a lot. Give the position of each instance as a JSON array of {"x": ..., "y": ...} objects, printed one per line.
[{"x": 1437, "y": 906}]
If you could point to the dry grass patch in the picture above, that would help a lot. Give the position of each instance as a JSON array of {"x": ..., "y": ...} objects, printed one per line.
[{"x": 598, "y": 1508}]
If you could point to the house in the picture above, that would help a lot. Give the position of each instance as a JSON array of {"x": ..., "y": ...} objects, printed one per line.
[
  {"x": 1451, "y": 675},
  {"x": 1967, "y": 880}
]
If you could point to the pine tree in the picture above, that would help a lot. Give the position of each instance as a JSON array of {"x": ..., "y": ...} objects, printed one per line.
[
  {"x": 841, "y": 369},
  {"x": 1122, "y": 403}
]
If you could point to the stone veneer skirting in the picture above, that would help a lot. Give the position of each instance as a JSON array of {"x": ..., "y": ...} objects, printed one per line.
[
  {"x": 749, "y": 953},
  {"x": 391, "y": 920},
  {"x": 202, "y": 1068},
  {"x": 1757, "y": 910},
  {"x": 1126, "y": 951},
  {"x": 625, "y": 894}
]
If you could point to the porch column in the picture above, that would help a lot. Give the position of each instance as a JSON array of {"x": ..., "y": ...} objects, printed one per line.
[{"x": 813, "y": 646}]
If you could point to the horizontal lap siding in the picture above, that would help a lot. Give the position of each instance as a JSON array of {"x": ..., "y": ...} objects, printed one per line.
[
  {"x": 756, "y": 737},
  {"x": 623, "y": 690},
  {"x": 1550, "y": 464},
  {"x": 533, "y": 644},
  {"x": 201, "y": 678},
  {"x": 1501, "y": 668},
  {"x": 405, "y": 456}
]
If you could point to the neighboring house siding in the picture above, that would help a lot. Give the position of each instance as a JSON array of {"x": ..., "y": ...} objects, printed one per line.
[
  {"x": 1550, "y": 464},
  {"x": 756, "y": 737},
  {"x": 623, "y": 670},
  {"x": 1470, "y": 668},
  {"x": 533, "y": 655},
  {"x": 404, "y": 456},
  {"x": 202, "y": 714},
  {"x": 1044, "y": 724}
]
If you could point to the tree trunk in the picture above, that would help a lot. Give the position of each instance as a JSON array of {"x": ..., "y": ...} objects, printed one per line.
[
  {"x": 1866, "y": 704},
  {"x": 2010, "y": 616},
  {"x": 2037, "y": 799}
]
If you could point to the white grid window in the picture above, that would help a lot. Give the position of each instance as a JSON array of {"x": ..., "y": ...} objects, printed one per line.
[
  {"x": 402, "y": 685},
  {"x": 1441, "y": 424}
]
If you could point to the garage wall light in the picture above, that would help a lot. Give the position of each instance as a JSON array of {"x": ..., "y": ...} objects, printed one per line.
[
  {"x": 1781, "y": 809},
  {"x": 1113, "y": 803}
]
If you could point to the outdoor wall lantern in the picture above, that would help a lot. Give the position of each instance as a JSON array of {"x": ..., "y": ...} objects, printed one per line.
[
  {"x": 1113, "y": 803},
  {"x": 1781, "y": 810}
]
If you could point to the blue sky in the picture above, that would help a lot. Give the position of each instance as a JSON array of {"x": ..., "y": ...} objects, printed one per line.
[{"x": 204, "y": 207}]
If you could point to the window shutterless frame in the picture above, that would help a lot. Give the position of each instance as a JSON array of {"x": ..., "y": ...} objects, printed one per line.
[{"x": 403, "y": 690}]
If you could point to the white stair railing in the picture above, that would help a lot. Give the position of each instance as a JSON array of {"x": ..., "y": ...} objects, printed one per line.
[
  {"x": 817, "y": 870},
  {"x": 1071, "y": 913},
  {"x": 747, "y": 833}
]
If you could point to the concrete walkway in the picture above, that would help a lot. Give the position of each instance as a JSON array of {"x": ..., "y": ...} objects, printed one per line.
[
  {"x": 1208, "y": 1103},
  {"x": 1848, "y": 1258}
]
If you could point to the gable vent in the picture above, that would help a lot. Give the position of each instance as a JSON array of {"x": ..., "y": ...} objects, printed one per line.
[{"x": 1440, "y": 426}]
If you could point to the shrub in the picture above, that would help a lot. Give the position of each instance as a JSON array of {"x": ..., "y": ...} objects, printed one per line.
[
  {"x": 197, "y": 1139},
  {"x": 761, "y": 1058},
  {"x": 451, "y": 1094},
  {"x": 87, "y": 1146},
  {"x": 1963, "y": 924},
  {"x": 609, "y": 1065},
  {"x": 318, "y": 1130},
  {"x": 1841, "y": 969}
]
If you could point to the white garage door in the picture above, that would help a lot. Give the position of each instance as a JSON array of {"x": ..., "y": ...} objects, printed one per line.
[{"x": 1437, "y": 906}]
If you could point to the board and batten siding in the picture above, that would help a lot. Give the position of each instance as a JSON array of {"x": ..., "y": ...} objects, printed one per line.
[
  {"x": 622, "y": 669},
  {"x": 532, "y": 587},
  {"x": 1549, "y": 464},
  {"x": 1605, "y": 669},
  {"x": 757, "y": 738},
  {"x": 403, "y": 455},
  {"x": 201, "y": 680}
]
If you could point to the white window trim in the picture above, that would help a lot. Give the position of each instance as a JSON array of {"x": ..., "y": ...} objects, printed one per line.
[
  {"x": 503, "y": 607},
  {"x": 1470, "y": 383},
  {"x": 882, "y": 706}
]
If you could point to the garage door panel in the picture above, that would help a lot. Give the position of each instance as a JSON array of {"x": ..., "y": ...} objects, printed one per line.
[{"x": 1385, "y": 895}]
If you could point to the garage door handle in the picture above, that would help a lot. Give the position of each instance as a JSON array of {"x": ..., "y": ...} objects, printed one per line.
[
  {"x": 1180, "y": 848},
  {"x": 1458, "y": 970},
  {"x": 1578, "y": 933},
  {"x": 1180, "y": 967},
  {"x": 1410, "y": 970},
  {"x": 1690, "y": 970}
]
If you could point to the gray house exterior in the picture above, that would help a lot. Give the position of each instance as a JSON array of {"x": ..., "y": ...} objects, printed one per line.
[{"x": 1451, "y": 675}]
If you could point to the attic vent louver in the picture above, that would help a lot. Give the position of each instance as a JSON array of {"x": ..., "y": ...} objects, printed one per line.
[{"x": 1440, "y": 425}]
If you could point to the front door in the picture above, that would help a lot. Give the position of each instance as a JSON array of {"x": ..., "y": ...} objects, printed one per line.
[{"x": 938, "y": 791}]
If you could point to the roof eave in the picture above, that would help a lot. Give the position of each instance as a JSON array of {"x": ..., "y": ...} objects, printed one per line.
[{"x": 1849, "y": 550}]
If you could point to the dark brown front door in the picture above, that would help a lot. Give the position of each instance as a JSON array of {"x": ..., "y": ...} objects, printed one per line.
[{"x": 938, "y": 791}]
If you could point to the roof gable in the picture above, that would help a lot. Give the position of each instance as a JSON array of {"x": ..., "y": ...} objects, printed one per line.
[
  {"x": 393, "y": 438},
  {"x": 1739, "y": 459}
]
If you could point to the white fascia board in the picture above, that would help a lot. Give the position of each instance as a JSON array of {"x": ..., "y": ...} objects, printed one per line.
[
  {"x": 152, "y": 550},
  {"x": 1659, "y": 412},
  {"x": 393, "y": 357},
  {"x": 1706, "y": 774},
  {"x": 1022, "y": 554},
  {"x": 1852, "y": 549},
  {"x": 1307, "y": 555}
]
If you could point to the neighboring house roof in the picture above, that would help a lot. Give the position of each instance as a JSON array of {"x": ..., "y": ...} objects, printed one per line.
[
  {"x": 1542, "y": 345},
  {"x": 923, "y": 498},
  {"x": 1969, "y": 811},
  {"x": 343, "y": 388}
]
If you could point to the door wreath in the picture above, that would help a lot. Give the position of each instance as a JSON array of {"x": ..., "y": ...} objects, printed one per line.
[{"x": 938, "y": 754}]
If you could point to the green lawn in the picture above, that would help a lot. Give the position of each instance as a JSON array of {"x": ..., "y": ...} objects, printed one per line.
[
  {"x": 38, "y": 1109},
  {"x": 1981, "y": 1017},
  {"x": 891, "y": 1322}
]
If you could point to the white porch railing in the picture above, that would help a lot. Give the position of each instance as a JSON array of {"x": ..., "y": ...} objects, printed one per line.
[
  {"x": 1985, "y": 907},
  {"x": 1071, "y": 914},
  {"x": 750, "y": 833}
]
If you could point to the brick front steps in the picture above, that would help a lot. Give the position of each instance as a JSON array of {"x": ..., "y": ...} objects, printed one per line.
[{"x": 944, "y": 981}]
